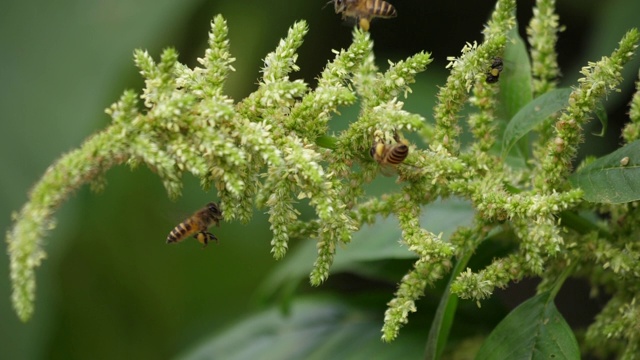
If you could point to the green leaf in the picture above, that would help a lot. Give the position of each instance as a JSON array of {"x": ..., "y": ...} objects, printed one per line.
[
  {"x": 315, "y": 329},
  {"x": 613, "y": 178},
  {"x": 515, "y": 80},
  {"x": 379, "y": 241},
  {"x": 533, "y": 114},
  {"x": 533, "y": 330},
  {"x": 601, "y": 114},
  {"x": 515, "y": 86},
  {"x": 327, "y": 142}
]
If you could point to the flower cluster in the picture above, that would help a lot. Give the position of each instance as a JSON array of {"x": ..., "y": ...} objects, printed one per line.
[
  {"x": 269, "y": 149},
  {"x": 272, "y": 149}
]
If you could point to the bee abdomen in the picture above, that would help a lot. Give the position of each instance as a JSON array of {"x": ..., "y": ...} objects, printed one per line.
[
  {"x": 383, "y": 9},
  {"x": 179, "y": 232},
  {"x": 398, "y": 154}
]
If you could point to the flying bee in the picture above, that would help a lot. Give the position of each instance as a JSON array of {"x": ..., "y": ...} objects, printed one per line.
[
  {"x": 496, "y": 68},
  {"x": 197, "y": 225},
  {"x": 389, "y": 155},
  {"x": 364, "y": 10}
]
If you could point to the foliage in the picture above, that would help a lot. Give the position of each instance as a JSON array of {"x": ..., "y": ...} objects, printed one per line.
[{"x": 273, "y": 149}]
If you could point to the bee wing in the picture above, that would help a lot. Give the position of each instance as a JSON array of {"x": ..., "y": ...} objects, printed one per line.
[
  {"x": 178, "y": 217},
  {"x": 349, "y": 21},
  {"x": 388, "y": 169}
]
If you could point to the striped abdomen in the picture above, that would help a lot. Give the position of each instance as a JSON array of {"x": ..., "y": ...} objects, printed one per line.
[
  {"x": 380, "y": 8},
  {"x": 389, "y": 154},
  {"x": 397, "y": 154},
  {"x": 183, "y": 231}
]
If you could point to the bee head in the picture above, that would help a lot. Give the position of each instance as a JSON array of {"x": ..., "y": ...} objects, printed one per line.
[
  {"x": 338, "y": 5},
  {"x": 215, "y": 210},
  {"x": 497, "y": 63}
]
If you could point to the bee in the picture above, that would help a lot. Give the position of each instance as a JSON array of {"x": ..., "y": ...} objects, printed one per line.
[
  {"x": 389, "y": 155},
  {"x": 496, "y": 68},
  {"x": 197, "y": 225},
  {"x": 364, "y": 10}
]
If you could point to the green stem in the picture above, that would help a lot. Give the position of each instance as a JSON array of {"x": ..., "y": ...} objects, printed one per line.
[
  {"x": 560, "y": 281},
  {"x": 441, "y": 325},
  {"x": 581, "y": 225}
]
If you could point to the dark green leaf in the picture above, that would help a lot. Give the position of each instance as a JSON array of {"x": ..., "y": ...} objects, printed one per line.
[
  {"x": 315, "y": 329},
  {"x": 613, "y": 178},
  {"x": 532, "y": 115},
  {"x": 610, "y": 21},
  {"x": 533, "y": 330}
]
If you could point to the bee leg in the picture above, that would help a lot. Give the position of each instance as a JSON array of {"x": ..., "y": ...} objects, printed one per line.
[
  {"x": 205, "y": 237},
  {"x": 202, "y": 238},
  {"x": 213, "y": 238},
  {"x": 364, "y": 24}
]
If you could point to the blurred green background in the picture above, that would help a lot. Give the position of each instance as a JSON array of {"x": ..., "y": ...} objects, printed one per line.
[{"x": 110, "y": 287}]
